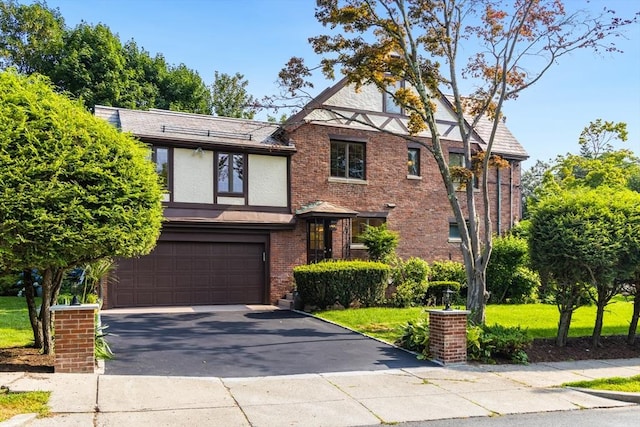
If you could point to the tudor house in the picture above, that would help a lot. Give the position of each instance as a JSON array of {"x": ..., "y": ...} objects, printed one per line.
[{"x": 247, "y": 201}]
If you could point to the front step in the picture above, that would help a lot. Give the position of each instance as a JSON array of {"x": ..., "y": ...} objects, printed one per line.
[{"x": 287, "y": 302}]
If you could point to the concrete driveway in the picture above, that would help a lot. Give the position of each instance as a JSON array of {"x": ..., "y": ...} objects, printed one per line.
[{"x": 240, "y": 342}]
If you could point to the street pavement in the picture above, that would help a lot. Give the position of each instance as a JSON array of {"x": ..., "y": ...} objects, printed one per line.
[{"x": 364, "y": 398}]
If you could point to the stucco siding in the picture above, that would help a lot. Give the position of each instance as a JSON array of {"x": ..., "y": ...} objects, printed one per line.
[
  {"x": 267, "y": 181},
  {"x": 192, "y": 176}
]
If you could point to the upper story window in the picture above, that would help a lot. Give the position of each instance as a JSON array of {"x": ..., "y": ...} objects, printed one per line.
[
  {"x": 348, "y": 160},
  {"x": 455, "y": 234},
  {"x": 457, "y": 160},
  {"x": 160, "y": 156},
  {"x": 413, "y": 161},
  {"x": 161, "y": 159},
  {"x": 230, "y": 173},
  {"x": 388, "y": 103}
]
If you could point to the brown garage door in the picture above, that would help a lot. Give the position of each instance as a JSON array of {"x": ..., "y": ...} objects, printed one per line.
[{"x": 191, "y": 273}]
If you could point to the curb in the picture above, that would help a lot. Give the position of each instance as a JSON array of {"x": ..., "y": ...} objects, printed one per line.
[
  {"x": 622, "y": 396},
  {"x": 19, "y": 420}
]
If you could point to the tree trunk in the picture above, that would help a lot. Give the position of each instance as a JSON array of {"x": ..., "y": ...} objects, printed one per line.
[
  {"x": 45, "y": 314},
  {"x": 597, "y": 327},
  {"x": 477, "y": 296},
  {"x": 631, "y": 336},
  {"x": 563, "y": 326},
  {"x": 30, "y": 297}
]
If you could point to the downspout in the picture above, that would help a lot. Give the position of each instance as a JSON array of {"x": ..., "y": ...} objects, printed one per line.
[
  {"x": 511, "y": 221},
  {"x": 499, "y": 209}
]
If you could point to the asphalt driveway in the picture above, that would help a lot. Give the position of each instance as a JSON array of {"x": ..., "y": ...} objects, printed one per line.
[{"x": 241, "y": 344}]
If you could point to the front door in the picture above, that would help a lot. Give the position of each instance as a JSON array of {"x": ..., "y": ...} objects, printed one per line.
[{"x": 319, "y": 240}]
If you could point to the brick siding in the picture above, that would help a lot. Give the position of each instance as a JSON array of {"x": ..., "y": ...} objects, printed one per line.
[{"x": 421, "y": 214}]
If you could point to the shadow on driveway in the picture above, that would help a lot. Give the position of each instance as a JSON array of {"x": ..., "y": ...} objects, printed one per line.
[{"x": 242, "y": 344}]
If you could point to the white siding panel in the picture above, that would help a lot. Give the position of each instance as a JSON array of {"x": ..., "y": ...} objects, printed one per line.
[
  {"x": 267, "y": 181},
  {"x": 192, "y": 176},
  {"x": 230, "y": 200},
  {"x": 367, "y": 98}
]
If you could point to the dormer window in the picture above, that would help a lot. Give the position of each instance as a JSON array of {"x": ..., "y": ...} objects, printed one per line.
[{"x": 388, "y": 103}]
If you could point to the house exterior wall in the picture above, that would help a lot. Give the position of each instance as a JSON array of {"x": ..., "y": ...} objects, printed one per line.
[
  {"x": 421, "y": 212},
  {"x": 284, "y": 177},
  {"x": 192, "y": 176},
  {"x": 268, "y": 181}
]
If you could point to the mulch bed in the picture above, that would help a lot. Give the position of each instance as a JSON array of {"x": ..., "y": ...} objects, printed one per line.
[
  {"x": 613, "y": 347},
  {"x": 25, "y": 359}
]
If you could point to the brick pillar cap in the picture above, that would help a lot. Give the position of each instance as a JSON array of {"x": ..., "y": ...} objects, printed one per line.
[
  {"x": 449, "y": 312},
  {"x": 64, "y": 307}
]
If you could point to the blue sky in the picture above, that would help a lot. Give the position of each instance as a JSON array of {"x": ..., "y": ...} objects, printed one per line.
[{"x": 257, "y": 37}]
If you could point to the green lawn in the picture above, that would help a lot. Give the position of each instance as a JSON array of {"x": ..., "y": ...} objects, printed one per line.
[
  {"x": 15, "y": 330},
  {"x": 541, "y": 320},
  {"x": 629, "y": 385}
]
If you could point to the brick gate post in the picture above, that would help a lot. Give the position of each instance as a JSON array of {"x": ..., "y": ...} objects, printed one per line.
[
  {"x": 74, "y": 338},
  {"x": 448, "y": 336}
]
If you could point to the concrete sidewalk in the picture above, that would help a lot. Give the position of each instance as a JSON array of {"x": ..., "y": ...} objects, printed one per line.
[{"x": 329, "y": 399}]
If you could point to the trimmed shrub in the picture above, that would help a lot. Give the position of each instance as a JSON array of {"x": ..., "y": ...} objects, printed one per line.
[
  {"x": 448, "y": 271},
  {"x": 325, "y": 283},
  {"x": 410, "y": 281},
  {"x": 508, "y": 278},
  {"x": 526, "y": 283},
  {"x": 381, "y": 243}
]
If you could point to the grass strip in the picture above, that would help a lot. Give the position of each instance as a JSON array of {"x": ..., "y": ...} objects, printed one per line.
[
  {"x": 15, "y": 403},
  {"x": 629, "y": 385}
]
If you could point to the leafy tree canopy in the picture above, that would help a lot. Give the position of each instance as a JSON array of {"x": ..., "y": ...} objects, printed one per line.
[
  {"x": 230, "y": 97},
  {"x": 91, "y": 63},
  {"x": 587, "y": 241},
  {"x": 596, "y": 138},
  {"x": 72, "y": 188},
  {"x": 597, "y": 165},
  {"x": 31, "y": 36}
]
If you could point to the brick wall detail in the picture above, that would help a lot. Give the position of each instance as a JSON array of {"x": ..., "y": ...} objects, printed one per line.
[
  {"x": 448, "y": 336},
  {"x": 421, "y": 212},
  {"x": 74, "y": 343}
]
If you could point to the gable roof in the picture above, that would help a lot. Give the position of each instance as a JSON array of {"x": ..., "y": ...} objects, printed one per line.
[
  {"x": 194, "y": 128},
  {"x": 329, "y": 99},
  {"x": 504, "y": 141}
]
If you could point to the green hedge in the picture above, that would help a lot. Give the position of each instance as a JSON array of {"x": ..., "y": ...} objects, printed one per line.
[
  {"x": 410, "y": 282},
  {"x": 325, "y": 283}
]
